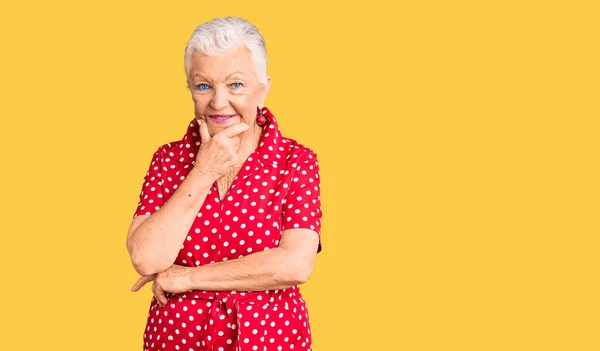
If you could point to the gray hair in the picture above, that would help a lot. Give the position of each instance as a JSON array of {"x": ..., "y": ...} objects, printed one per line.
[{"x": 222, "y": 34}]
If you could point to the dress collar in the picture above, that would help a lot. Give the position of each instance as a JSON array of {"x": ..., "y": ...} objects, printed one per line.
[{"x": 266, "y": 153}]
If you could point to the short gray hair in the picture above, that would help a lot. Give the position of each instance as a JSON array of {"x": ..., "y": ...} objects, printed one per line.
[{"x": 222, "y": 34}]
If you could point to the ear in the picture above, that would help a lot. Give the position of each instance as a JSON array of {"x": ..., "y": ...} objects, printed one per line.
[{"x": 266, "y": 86}]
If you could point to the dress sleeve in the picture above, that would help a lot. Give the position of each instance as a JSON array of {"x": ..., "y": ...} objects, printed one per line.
[
  {"x": 152, "y": 197},
  {"x": 302, "y": 205}
]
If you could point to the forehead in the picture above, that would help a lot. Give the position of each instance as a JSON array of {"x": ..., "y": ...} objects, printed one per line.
[{"x": 222, "y": 65}]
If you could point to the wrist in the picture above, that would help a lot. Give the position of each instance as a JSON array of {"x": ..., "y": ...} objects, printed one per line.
[
  {"x": 191, "y": 277},
  {"x": 204, "y": 176},
  {"x": 186, "y": 279}
]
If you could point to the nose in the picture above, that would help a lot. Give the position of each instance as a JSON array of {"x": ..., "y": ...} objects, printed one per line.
[{"x": 220, "y": 99}]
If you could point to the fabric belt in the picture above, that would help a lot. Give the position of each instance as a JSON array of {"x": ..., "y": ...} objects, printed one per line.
[{"x": 227, "y": 302}]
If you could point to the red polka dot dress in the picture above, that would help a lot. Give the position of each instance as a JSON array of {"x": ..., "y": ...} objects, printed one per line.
[{"x": 277, "y": 188}]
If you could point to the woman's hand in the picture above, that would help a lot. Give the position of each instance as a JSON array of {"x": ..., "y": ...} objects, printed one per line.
[
  {"x": 174, "y": 280},
  {"x": 157, "y": 290},
  {"x": 219, "y": 153}
]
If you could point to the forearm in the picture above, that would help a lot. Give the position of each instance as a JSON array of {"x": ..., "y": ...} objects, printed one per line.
[
  {"x": 271, "y": 269},
  {"x": 155, "y": 243}
]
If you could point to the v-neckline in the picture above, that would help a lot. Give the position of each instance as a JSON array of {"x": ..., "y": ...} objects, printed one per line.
[{"x": 243, "y": 167}]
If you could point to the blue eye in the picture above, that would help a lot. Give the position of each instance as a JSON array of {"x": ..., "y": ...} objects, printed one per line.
[
  {"x": 202, "y": 86},
  {"x": 237, "y": 85}
]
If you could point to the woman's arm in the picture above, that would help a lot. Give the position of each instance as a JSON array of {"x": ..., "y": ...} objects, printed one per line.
[
  {"x": 282, "y": 267},
  {"x": 153, "y": 241},
  {"x": 287, "y": 265}
]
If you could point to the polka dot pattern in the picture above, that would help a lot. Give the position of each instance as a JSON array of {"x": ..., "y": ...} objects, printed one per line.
[
  {"x": 241, "y": 321},
  {"x": 277, "y": 188}
]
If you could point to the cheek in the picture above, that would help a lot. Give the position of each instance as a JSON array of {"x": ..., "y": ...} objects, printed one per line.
[
  {"x": 245, "y": 103},
  {"x": 246, "y": 107},
  {"x": 199, "y": 104}
]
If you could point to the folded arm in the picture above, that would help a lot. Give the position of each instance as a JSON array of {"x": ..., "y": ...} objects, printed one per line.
[
  {"x": 154, "y": 241},
  {"x": 282, "y": 267}
]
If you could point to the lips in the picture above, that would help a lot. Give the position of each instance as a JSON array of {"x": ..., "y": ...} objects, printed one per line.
[{"x": 221, "y": 119}]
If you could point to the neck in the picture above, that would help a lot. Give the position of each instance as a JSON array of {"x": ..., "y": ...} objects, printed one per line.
[{"x": 249, "y": 140}]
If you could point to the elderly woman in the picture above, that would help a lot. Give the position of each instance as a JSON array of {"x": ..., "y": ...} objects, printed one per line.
[{"x": 229, "y": 219}]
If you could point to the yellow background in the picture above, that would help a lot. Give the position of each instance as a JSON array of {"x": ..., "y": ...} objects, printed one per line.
[{"x": 458, "y": 144}]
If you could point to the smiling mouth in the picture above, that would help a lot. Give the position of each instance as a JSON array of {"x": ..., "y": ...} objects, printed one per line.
[{"x": 221, "y": 119}]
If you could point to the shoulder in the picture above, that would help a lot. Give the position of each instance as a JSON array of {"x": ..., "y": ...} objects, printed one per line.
[
  {"x": 298, "y": 152},
  {"x": 168, "y": 151},
  {"x": 301, "y": 160}
]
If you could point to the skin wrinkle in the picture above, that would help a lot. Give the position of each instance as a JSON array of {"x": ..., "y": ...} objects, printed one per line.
[
  {"x": 220, "y": 98},
  {"x": 226, "y": 181}
]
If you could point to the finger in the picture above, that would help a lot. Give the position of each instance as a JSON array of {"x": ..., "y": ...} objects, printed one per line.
[
  {"x": 204, "y": 134},
  {"x": 155, "y": 295},
  {"x": 235, "y": 129},
  {"x": 141, "y": 282},
  {"x": 160, "y": 295}
]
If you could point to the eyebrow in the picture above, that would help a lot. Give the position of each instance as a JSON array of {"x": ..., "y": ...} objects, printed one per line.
[
  {"x": 204, "y": 77},
  {"x": 236, "y": 72}
]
